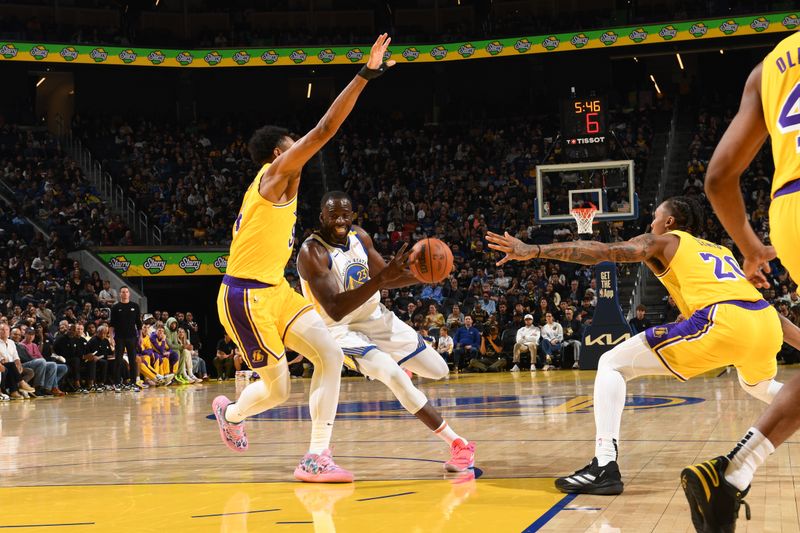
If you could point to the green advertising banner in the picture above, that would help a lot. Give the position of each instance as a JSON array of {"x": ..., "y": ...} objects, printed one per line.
[
  {"x": 422, "y": 53},
  {"x": 167, "y": 263}
]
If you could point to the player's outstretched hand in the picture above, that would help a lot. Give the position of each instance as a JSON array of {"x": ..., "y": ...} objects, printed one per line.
[
  {"x": 756, "y": 264},
  {"x": 511, "y": 246},
  {"x": 377, "y": 52},
  {"x": 398, "y": 266}
]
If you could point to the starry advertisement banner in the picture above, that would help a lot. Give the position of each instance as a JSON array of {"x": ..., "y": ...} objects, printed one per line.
[
  {"x": 691, "y": 30},
  {"x": 167, "y": 263}
]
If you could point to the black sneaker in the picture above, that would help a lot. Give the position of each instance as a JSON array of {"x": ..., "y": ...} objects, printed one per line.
[
  {"x": 713, "y": 501},
  {"x": 593, "y": 479},
  {"x": 117, "y": 388},
  {"x": 83, "y": 390}
]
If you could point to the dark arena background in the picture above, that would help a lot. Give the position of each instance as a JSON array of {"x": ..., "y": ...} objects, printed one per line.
[{"x": 124, "y": 130}]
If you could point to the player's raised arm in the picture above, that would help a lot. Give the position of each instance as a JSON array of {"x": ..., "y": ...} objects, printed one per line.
[
  {"x": 291, "y": 161},
  {"x": 636, "y": 250},
  {"x": 377, "y": 264},
  {"x": 312, "y": 265},
  {"x": 734, "y": 153}
]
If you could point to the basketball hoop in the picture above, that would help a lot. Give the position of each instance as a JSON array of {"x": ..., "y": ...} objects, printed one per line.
[{"x": 584, "y": 216}]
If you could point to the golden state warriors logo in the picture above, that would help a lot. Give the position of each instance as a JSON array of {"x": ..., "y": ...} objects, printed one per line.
[{"x": 355, "y": 275}]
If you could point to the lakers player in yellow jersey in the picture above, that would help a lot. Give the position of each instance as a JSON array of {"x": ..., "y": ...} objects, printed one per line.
[
  {"x": 770, "y": 106},
  {"x": 727, "y": 323},
  {"x": 258, "y": 308}
]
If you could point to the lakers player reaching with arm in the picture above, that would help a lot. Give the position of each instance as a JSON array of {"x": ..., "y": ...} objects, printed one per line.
[
  {"x": 768, "y": 107},
  {"x": 256, "y": 305},
  {"x": 728, "y": 324},
  {"x": 342, "y": 273}
]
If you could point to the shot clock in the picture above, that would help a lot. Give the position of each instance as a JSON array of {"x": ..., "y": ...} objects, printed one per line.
[{"x": 583, "y": 127}]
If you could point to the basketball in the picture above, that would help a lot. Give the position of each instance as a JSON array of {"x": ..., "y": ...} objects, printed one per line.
[{"x": 434, "y": 260}]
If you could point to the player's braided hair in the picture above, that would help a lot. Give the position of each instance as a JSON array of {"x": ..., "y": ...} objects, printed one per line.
[
  {"x": 263, "y": 143},
  {"x": 687, "y": 212}
]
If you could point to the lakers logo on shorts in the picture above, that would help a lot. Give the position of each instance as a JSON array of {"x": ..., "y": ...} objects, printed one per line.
[
  {"x": 257, "y": 356},
  {"x": 660, "y": 332}
]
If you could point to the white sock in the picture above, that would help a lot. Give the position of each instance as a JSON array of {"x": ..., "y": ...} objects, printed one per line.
[
  {"x": 605, "y": 449},
  {"x": 609, "y": 401},
  {"x": 746, "y": 457},
  {"x": 320, "y": 436},
  {"x": 445, "y": 433}
]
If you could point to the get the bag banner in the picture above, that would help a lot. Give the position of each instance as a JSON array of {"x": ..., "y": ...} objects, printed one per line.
[
  {"x": 167, "y": 264},
  {"x": 421, "y": 53}
]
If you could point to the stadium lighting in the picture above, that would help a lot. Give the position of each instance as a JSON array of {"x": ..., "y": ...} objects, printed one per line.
[
  {"x": 636, "y": 59},
  {"x": 653, "y": 79},
  {"x": 680, "y": 61},
  {"x": 721, "y": 51},
  {"x": 41, "y": 81},
  {"x": 308, "y": 93}
]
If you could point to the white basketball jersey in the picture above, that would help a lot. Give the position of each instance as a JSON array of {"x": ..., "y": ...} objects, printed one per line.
[{"x": 350, "y": 265}]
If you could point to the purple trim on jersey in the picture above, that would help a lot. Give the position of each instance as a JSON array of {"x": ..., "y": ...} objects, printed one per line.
[
  {"x": 421, "y": 346},
  {"x": 242, "y": 283},
  {"x": 789, "y": 188},
  {"x": 758, "y": 305}
]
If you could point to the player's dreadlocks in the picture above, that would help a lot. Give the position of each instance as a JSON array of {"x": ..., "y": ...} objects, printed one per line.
[{"x": 688, "y": 213}]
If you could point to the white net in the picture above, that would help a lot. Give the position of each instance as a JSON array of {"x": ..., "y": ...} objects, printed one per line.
[{"x": 584, "y": 217}]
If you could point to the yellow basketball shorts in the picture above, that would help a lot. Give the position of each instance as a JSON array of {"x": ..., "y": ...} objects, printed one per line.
[
  {"x": 784, "y": 222},
  {"x": 747, "y": 335},
  {"x": 257, "y": 316}
]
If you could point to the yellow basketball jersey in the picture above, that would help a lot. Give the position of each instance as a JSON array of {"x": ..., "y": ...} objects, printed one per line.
[
  {"x": 703, "y": 273},
  {"x": 263, "y": 236},
  {"x": 780, "y": 98}
]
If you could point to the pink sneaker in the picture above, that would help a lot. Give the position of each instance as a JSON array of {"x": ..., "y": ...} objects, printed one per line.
[
  {"x": 233, "y": 435},
  {"x": 320, "y": 468},
  {"x": 462, "y": 456}
]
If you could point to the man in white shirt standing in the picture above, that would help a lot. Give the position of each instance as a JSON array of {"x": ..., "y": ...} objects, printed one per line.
[
  {"x": 552, "y": 338},
  {"x": 527, "y": 341}
]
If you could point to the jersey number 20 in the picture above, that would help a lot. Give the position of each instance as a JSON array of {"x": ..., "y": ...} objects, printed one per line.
[{"x": 719, "y": 268}]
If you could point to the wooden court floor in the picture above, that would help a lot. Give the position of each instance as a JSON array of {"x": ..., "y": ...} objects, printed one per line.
[{"x": 153, "y": 461}]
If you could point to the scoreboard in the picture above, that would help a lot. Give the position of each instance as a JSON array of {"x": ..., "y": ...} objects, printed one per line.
[{"x": 583, "y": 127}]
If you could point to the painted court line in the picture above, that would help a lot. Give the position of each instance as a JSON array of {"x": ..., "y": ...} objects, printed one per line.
[
  {"x": 291, "y": 523},
  {"x": 231, "y": 514},
  {"x": 546, "y": 517},
  {"x": 49, "y": 525},
  {"x": 387, "y": 496}
]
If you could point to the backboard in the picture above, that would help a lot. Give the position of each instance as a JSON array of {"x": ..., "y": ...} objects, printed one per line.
[{"x": 606, "y": 185}]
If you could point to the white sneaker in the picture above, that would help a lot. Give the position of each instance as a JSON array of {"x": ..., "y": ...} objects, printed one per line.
[
  {"x": 168, "y": 379},
  {"x": 4, "y": 397},
  {"x": 515, "y": 368},
  {"x": 533, "y": 369},
  {"x": 575, "y": 365}
]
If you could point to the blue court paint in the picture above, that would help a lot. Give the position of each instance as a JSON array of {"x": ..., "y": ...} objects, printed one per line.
[
  {"x": 231, "y": 514},
  {"x": 478, "y": 472},
  {"x": 386, "y": 496},
  {"x": 546, "y": 517},
  {"x": 468, "y": 407}
]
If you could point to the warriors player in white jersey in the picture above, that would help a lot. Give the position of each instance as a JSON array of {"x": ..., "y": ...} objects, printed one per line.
[{"x": 342, "y": 274}]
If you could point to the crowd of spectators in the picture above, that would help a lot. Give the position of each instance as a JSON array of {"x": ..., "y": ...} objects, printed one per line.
[
  {"x": 482, "y": 22},
  {"x": 49, "y": 349}
]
